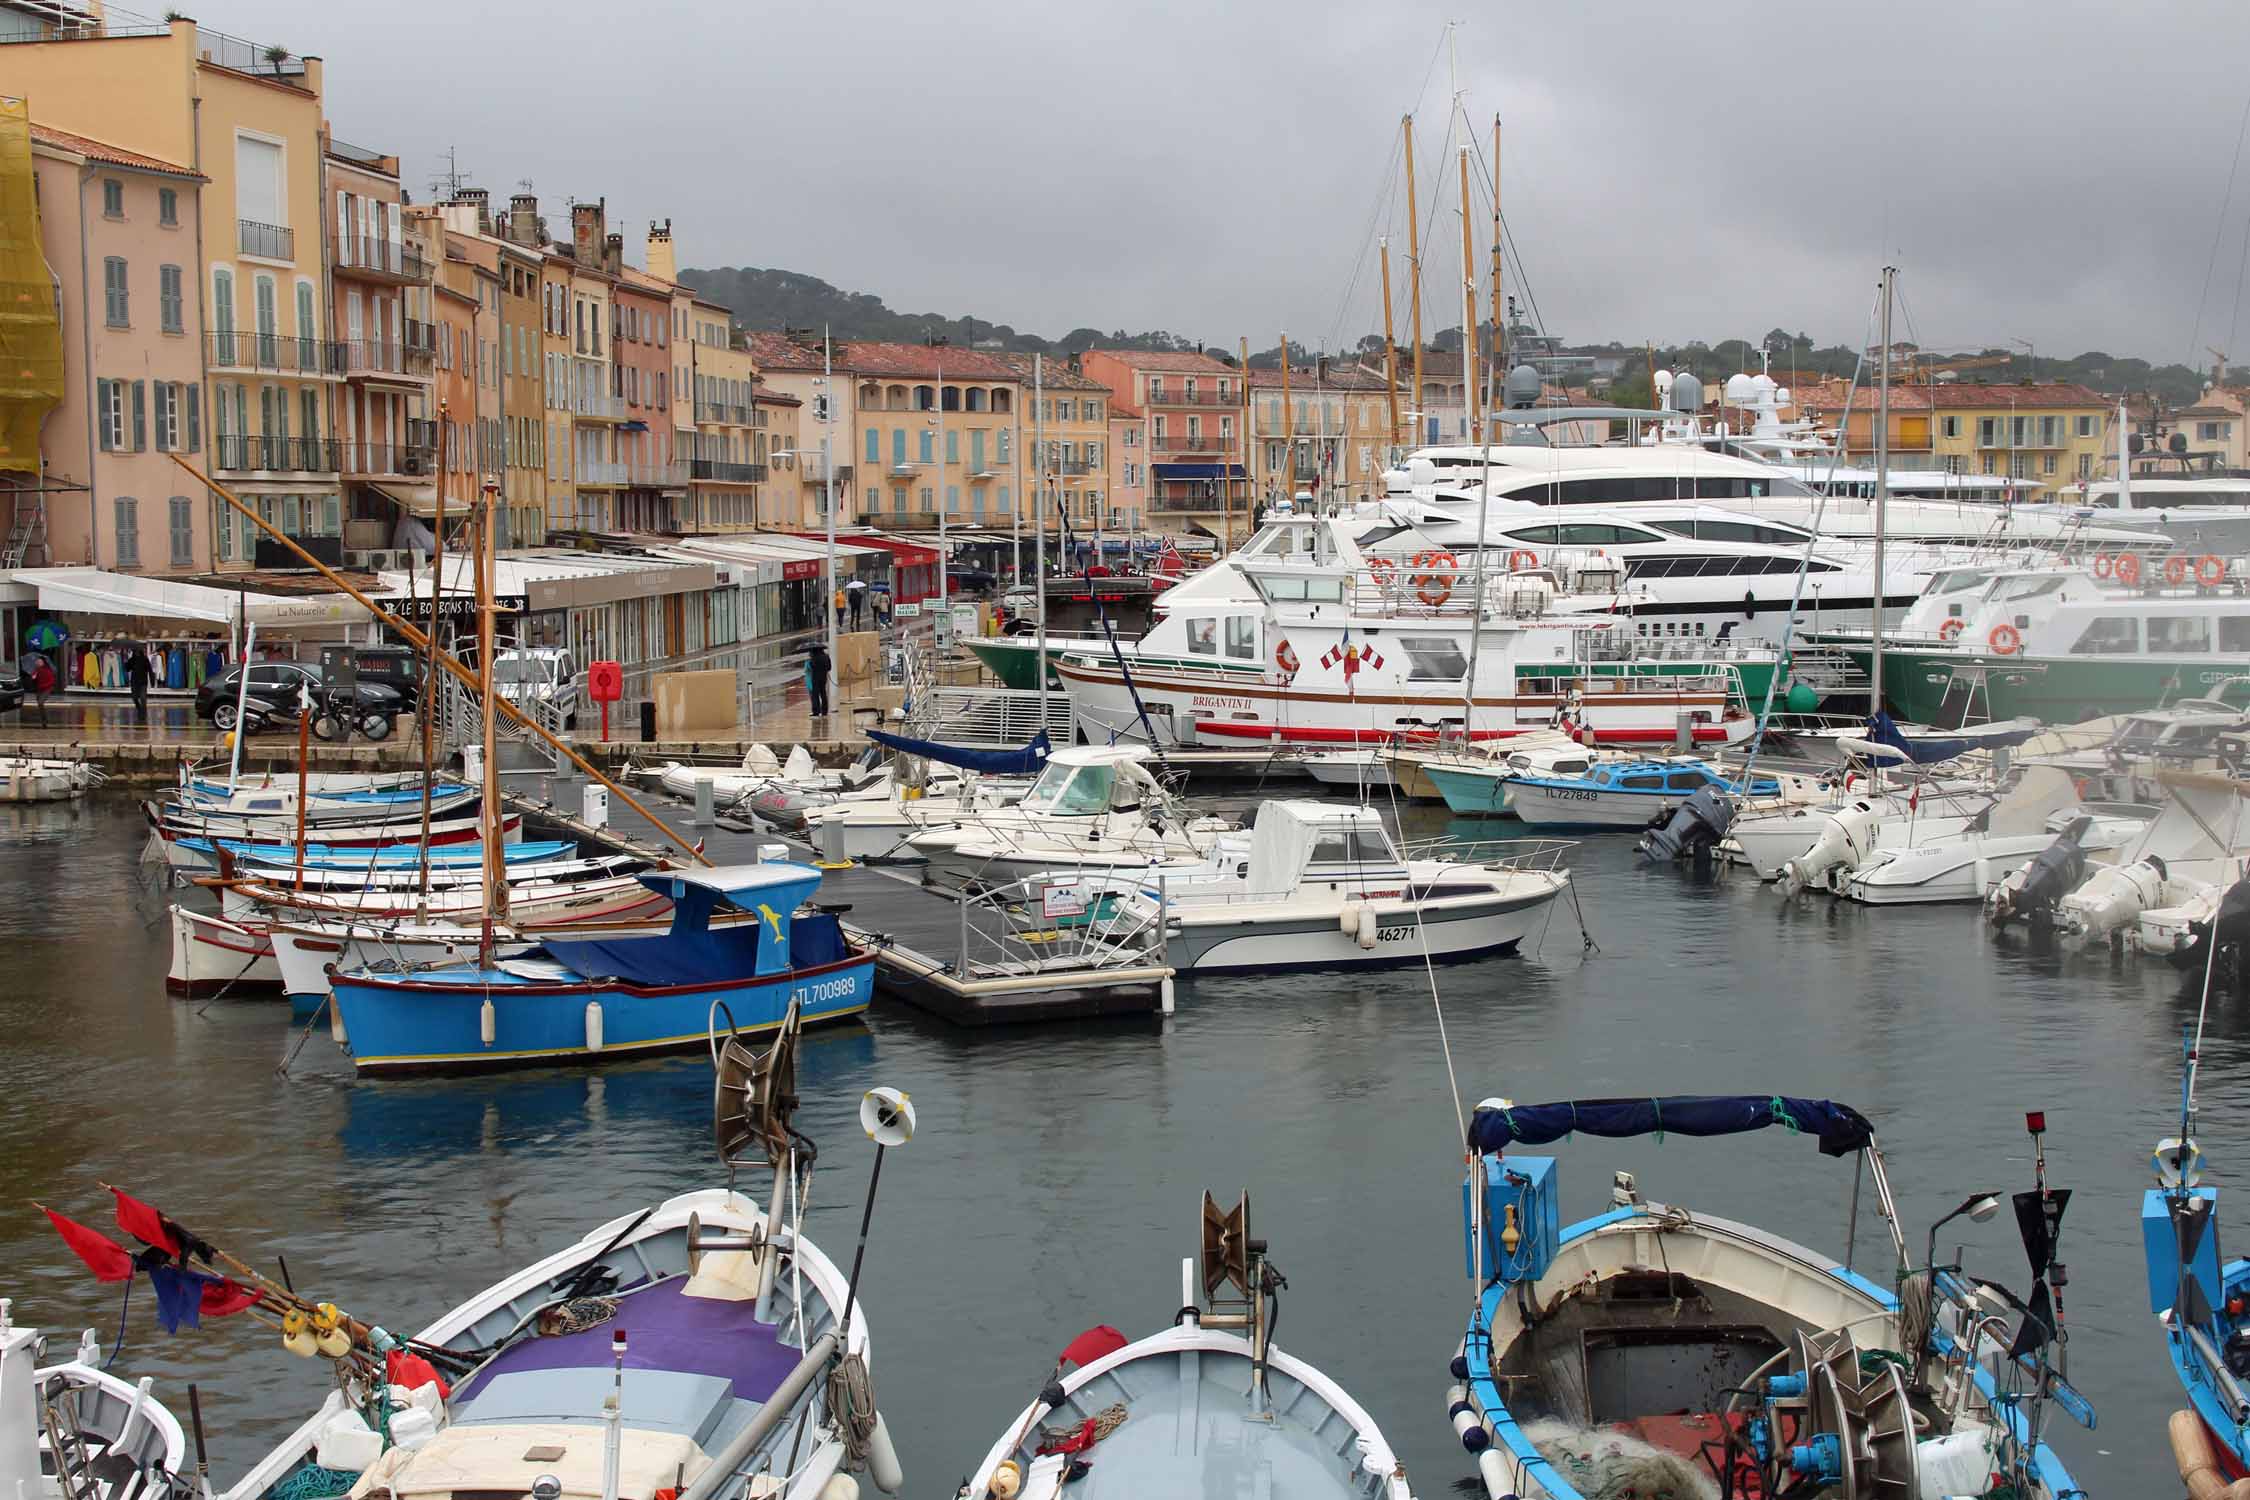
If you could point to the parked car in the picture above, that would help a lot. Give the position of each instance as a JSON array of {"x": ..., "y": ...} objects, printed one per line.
[
  {"x": 398, "y": 668},
  {"x": 966, "y": 580},
  {"x": 283, "y": 684}
]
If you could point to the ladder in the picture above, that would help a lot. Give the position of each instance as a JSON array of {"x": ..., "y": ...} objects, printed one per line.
[
  {"x": 66, "y": 1443},
  {"x": 28, "y": 531}
]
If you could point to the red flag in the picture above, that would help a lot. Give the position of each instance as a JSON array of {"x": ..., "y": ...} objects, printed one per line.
[
  {"x": 103, "y": 1256},
  {"x": 145, "y": 1224},
  {"x": 1093, "y": 1344},
  {"x": 222, "y": 1297}
]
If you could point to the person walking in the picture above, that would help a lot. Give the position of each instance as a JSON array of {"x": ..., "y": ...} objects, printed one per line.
[
  {"x": 858, "y": 592},
  {"x": 839, "y": 607},
  {"x": 816, "y": 678},
  {"x": 137, "y": 674}
]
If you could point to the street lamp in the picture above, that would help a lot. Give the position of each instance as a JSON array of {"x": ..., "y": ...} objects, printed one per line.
[{"x": 1980, "y": 1207}]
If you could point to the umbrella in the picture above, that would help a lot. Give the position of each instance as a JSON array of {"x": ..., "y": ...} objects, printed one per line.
[
  {"x": 855, "y": 584},
  {"x": 47, "y": 635}
]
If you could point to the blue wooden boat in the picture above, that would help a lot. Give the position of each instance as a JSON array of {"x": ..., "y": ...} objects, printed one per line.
[
  {"x": 1650, "y": 1349},
  {"x": 387, "y": 857},
  {"x": 1623, "y": 793},
  {"x": 579, "y": 999}
]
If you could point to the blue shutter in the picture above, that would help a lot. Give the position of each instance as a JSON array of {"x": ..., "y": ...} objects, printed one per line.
[
  {"x": 101, "y": 412},
  {"x": 874, "y": 446},
  {"x": 195, "y": 419},
  {"x": 140, "y": 416}
]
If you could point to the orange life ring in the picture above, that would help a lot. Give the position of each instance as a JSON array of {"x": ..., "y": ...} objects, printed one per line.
[
  {"x": 2129, "y": 568},
  {"x": 1285, "y": 658},
  {"x": 2210, "y": 570},
  {"x": 1950, "y": 628},
  {"x": 2104, "y": 565},
  {"x": 2006, "y": 639},
  {"x": 1382, "y": 570},
  {"x": 1521, "y": 559},
  {"x": 1435, "y": 585},
  {"x": 2176, "y": 569}
]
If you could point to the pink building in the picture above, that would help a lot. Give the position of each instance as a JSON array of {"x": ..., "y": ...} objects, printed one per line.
[
  {"x": 119, "y": 232},
  {"x": 1193, "y": 406},
  {"x": 656, "y": 490},
  {"x": 381, "y": 277}
]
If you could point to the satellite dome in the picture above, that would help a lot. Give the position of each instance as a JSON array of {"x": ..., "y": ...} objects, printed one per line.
[
  {"x": 1420, "y": 472},
  {"x": 1764, "y": 382},
  {"x": 1741, "y": 389},
  {"x": 1687, "y": 393},
  {"x": 1523, "y": 387}
]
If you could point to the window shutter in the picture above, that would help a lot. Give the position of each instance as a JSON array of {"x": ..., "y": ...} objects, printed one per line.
[
  {"x": 101, "y": 412},
  {"x": 195, "y": 419},
  {"x": 163, "y": 412},
  {"x": 140, "y": 416}
]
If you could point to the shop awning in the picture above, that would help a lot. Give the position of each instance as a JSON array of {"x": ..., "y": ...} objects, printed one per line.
[
  {"x": 94, "y": 591},
  {"x": 1162, "y": 472}
]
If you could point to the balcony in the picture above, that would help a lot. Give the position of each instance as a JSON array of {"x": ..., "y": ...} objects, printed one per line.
[
  {"x": 365, "y": 359},
  {"x": 274, "y": 354},
  {"x": 723, "y": 411},
  {"x": 597, "y": 406},
  {"x": 1070, "y": 468},
  {"x": 267, "y": 241},
  {"x": 412, "y": 460},
  {"x": 657, "y": 474},
  {"x": 601, "y": 473},
  {"x": 717, "y": 471},
  {"x": 810, "y": 470},
  {"x": 2030, "y": 438},
  {"x": 1173, "y": 442},
  {"x": 245, "y": 453},
  {"x": 372, "y": 259},
  {"x": 1197, "y": 503},
  {"x": 1170, "y": 397}
]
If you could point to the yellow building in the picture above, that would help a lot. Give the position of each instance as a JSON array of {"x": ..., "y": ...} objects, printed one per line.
[
  {"x": 1065, "y": 431},
  {"x": 2052, "y": 433},
  {"x": 249, "y": 118},
  {"x": 1329, "y": 440},
  {"x": 728, "y": 463}
]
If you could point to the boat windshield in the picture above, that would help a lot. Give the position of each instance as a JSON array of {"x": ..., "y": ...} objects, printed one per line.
[{"x": 1071, "y": 790}]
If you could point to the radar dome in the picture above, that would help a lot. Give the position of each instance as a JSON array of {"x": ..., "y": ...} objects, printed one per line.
[
  {"x": 1687, "y": 393},
  {"x": 1523, "y": 387},
  {"x": 1420, "y": 472},
  {"x": 1740, "y": 388}
]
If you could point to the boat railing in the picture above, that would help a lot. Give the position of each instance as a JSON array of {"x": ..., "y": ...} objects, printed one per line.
[
  {"x": 1046, "y": 922},
  {"x": 1493, "y": 854}
]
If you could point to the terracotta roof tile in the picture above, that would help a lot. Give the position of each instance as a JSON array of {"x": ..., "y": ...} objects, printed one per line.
[
  {"x": 2046, "y": 393},
  {"x": 1168, "y": 361},
  {"x": 118, "y": 156},
  {"x": 777, "y": 351},
  {"x": 1337, "y": 377},
  {"x": 1054, "y": 374}
]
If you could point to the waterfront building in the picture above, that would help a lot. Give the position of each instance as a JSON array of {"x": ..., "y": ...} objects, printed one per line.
[
  {"x": 1331, "y": 439},
  {"x": 1128, "y": 466},
  {"x": 2054, "y": 433},
  {"x": 1193, "y": 408},
  {"x": 1066, "y": 437},
  {"x": 655, "y": 498},
  {"x": 729, "y": 463}
]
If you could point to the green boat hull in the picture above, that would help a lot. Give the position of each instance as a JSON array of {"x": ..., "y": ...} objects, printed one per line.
[
  {"x": 2051, "y": 689},
  {"x": 1755, "y": 676},
  {"x": 1014, "y": 660}
]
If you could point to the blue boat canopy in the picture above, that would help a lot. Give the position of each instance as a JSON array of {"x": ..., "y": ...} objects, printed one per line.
[
  {"x": 1028, "y": 761},
  {"x": 693, "y": 951},
  {"x": 1925, "y": 750},
  {"x": 1841, "y": 1129}
]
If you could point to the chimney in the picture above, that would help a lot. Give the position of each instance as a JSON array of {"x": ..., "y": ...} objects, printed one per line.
[
  {"x": 586, "y": 232},
  {"x": 662, "y": 264},
  {"x": 523, "y": 219},
  {"x": 613, "y": 254},
  {"x": 500, "y": 225},
  {"x": 480, "y": 200}
]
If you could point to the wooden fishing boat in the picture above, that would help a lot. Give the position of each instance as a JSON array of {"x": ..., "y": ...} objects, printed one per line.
[{"x": 71, "y": 1431}]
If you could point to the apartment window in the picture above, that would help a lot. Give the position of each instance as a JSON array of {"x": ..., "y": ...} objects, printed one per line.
[
  {"x": 1988, "y": 432},
  {"x": 1005, "y": 435},
  {"x": 2206, "y": 432},
  {"x": 2085, "y": 426},
  {"x": 113, "y": 198},
  {"x": 171, "y": 303},
  {"x": 168, "y": 416},
  {"x": 128, "y": 532},
  {"x": 928, "y": 448},
  {"x": 953, "y": 445},
  {"x": 109, "y": 407},
  {"x": 168, "y": 208},
  {"x": 2047, "y": 463},
  {"x": 182, "y": 514},
  {"x": 258, "y": 193},
  {"x": 1951, "y": 426},
  {"x": 113, "y": 292},
  {"x": 952, "y": 498},
  {"x": 2085, "y": 466},
  {"x": 927, "y": 504}
]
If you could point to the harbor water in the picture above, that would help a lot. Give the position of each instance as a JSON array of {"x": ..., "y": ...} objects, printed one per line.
[{"x": 1054, "y": 1180}]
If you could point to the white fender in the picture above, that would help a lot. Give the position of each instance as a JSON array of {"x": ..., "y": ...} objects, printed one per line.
[
  {"x": 882, "y": 1459},
  {"x": 593, "y": 1026},
  {"x": 1368, "y": 927}
]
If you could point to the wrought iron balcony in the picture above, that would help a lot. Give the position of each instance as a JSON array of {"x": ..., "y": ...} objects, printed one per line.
[
  {"x": 244, "y": 453},
  {"x": 718, "y": 471},
  {"x": 270, "y": 241},
  {"x": 375, "y": 259},
  {"x": 274, "y": 353},
  {"x": 411, "y": 460},
  {"x": 366, "y": 357},
  {"x": 1198, "y": 397}
]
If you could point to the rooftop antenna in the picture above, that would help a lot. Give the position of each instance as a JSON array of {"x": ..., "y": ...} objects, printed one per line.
[{"x": 447, "y": 184}]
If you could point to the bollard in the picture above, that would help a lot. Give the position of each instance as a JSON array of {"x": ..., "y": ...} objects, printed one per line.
[
  {"x": 706, "y": 802},
  {"x": 1683, "y": 733}
]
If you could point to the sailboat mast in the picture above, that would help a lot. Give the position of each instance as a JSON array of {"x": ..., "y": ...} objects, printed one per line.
[
  {"x": 1288, "y": 428},
  {"x": 1227, "y": 486},
  {"x": 1414, "y": 275},
  {"x": 428, "y": 700},
  {"x": 1390, "y": 348},
  {"x": 495, "y": 853},
  {"x": 1468, "y": 311},
  {"x": 1882, "y": 493},
  {"x": 1499, "y": 329}
]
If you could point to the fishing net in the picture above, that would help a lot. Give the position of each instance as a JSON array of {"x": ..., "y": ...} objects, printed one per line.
[
  {"x": 1602, "y": 1463},
  {"x": 312, "y": 1482}
]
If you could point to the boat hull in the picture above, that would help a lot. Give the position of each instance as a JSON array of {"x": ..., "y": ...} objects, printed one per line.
[
  {"x": 2052, "y": 689},
  {"x": 1458, "y": 928},
  {"x": 1472, "y": 793},
  {"x": 211, "y": 955},
  {"x": 404, "y": 1025}
]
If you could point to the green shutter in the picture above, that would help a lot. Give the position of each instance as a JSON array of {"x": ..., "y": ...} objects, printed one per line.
[
  {"x": 195, "y": 419},
  {"x": 140, "y": 416},
  {"x": 101, "y": 412},
  {"x": 163, "y": 412}
]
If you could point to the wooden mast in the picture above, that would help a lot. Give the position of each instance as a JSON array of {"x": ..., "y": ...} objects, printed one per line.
[
  {"x": 1469, "y": 310},
  {"x": 1390, "y": 348},
  {"x": 428, "y": 701},
  {"x": 1499, "y": 329},
  {"x": 1288, "y": 429},
  {"x": 495, "y": 851},
  {"x": 1246, "y": 414},
  {"x": 1414, "y": 273}
]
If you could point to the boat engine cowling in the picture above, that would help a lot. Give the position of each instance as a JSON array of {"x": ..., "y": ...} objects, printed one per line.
[
  {"x": 2112, "y": 898},
  {"x": 1695, "y": 826},
  {"x": 1849, "y": 834},
  {"x": 2032, "y": 892},
  {"x": 2229, "y": 926}
]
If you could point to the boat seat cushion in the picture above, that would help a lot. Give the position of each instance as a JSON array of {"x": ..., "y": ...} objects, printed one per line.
[{"x": 694, "y": 1406}]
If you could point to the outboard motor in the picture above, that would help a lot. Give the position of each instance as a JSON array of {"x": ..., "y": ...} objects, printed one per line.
[
  {"x": 2051, "y": 874},
  {"x": 1693, "y": 830},
  {"x": 2228, "y": 927}
]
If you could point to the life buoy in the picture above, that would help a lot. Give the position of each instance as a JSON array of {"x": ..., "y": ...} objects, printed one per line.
[
  {"x": 2176, "y": 569},
  {"x": 2104, "y": 565},
  {"x": 2129, "y": 568},
  {"x": 2210, "y": 570},
  {"x": 1433, "y": 582},
  {"x": 1285, "y": 658},
  {"x": 1382, "y": 570},
  {"x": 1521, "y": 559},
  {"x": 1950, "y": 628},
  {"x": 2006, "y": 639}
]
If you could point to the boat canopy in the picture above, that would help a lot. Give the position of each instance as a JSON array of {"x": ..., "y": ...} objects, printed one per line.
[
  {"x": 1925, "y": 750},
  {"x": 1841, "y": 1128},
  {"x": 1288, "y": 836},
  {"x": 1024, "y": 762},
  {"x": 693, "y": 951}
]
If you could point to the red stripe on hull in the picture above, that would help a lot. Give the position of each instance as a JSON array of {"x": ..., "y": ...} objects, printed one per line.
[{"x": 1705, "y": 734}]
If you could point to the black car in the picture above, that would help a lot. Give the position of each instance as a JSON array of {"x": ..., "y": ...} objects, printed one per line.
[
  {"x": 281, "y": 683},
  {"x": 398, "y": 668},
  {"x": 965, "y": 580}
]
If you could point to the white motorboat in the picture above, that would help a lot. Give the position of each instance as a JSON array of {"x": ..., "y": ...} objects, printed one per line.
[
  {"x": 1847, "y": 829},
  {"x": 2198, "y": 840},
  {"x": 778, "y": 791},
  {"x": 1206, "y": 1407},
  {"x": 2041, "y": 805},
  {"x": 879, "y": 828},
  {"x": 1089, "y": 800},
  {"x": 1314, "y": 885},
  {"x": 72, "y": 1431},
  {"x": 1359, "y": 770},
  {"x": 26, "y": 778}
]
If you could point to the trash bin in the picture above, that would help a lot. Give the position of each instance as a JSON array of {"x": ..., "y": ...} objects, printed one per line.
[{"x": 648, "y": 721}]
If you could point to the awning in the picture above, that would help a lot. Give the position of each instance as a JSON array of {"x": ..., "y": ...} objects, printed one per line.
[
  {"x": 94, "y": 591},
  {"x": 1161, "y": 472},
  {"x": 420, "y": 500}
]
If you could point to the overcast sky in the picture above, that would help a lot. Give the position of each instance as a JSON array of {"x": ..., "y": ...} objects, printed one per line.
[{"x": 2049, "y": 170}]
